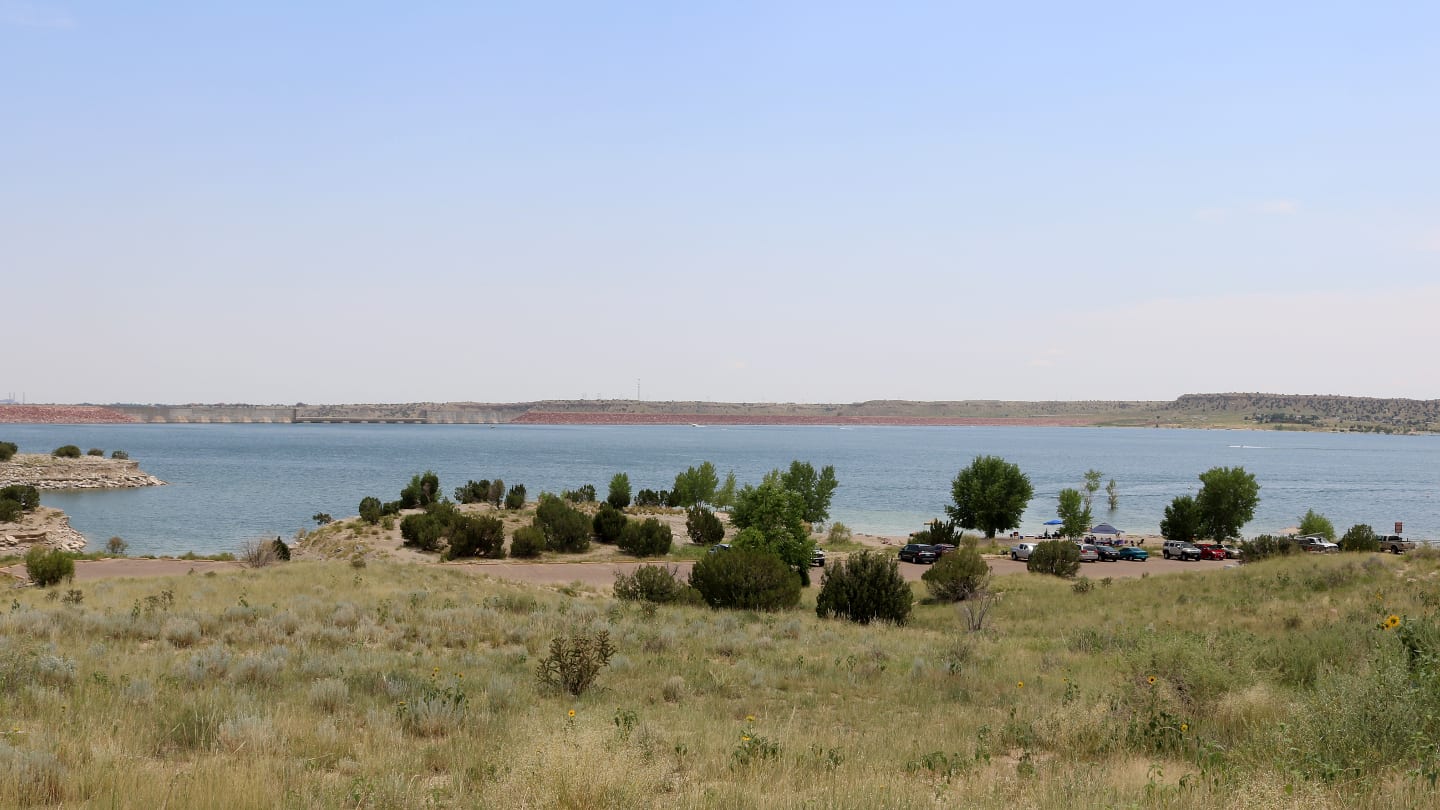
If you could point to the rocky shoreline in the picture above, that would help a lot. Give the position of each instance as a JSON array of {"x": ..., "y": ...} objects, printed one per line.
[
  {"x": 45, "y": 527},
  {"x": 86, "y": 472}
]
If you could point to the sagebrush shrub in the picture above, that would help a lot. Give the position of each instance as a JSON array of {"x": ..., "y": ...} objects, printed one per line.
[
  {"x": 746, "y": 579},
  {"x": 866, "y": 587},
  {"x": 958, "y": 575},
  {"x": 117, "y": 546},
  {"x": 181, "y": 632},
  {"x": 1059, "y": 558},
  {"x": 575, "y": 661},
  {"x": 48, "y": 566},
  {"x": 1264, "y": 547}
]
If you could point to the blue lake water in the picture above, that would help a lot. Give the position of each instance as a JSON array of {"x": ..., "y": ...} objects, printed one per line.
[{"x": 230, "y": 483}]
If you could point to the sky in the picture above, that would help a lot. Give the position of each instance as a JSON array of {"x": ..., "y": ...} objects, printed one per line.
[{"x": 774, "y": 201}]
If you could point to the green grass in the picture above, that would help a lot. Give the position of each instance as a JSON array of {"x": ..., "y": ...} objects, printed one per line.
[{"x": 320, "y": 685}]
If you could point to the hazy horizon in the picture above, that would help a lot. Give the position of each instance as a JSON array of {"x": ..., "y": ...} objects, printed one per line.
[{"x": 748, "y": 202}]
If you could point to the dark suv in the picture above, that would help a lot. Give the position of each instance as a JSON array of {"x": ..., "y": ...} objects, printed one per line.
[{"x": 918, "y": 553}]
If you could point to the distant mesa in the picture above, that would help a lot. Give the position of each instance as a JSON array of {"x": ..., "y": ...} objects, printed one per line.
[{"x": 1232, "y": 410}]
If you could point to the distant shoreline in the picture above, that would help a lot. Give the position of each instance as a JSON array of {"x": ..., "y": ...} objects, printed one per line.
[{"x": 1283, "y": 412}]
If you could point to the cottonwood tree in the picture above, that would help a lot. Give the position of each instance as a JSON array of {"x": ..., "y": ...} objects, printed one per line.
[
  {"x": 990, "y": 495},
  {"x": 1315, "y": 523},
  {"x": 1182, "y": 520},
  {"x": 771, "y": 518},
  {"x": 1074, "y": 513},
  {"x": 1092, "y": 486},
  {"x": 816, "y": 489},
  {"x": 1113, "y": 493},
  {"x": 1227, "y": 500}
]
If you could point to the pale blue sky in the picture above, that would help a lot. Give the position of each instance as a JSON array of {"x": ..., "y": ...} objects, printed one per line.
[{"x": 331, "y": 202}]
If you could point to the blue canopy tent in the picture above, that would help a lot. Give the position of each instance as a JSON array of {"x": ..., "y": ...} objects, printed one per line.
[{"x": 1104, "y": 528}]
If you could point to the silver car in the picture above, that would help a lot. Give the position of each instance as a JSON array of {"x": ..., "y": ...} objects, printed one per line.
[{"x": 1021, "y": 551}]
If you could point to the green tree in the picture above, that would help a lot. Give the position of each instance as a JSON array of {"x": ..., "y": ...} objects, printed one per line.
[
  {"x": 27, "y": 496},
  {"x": 1182, "y": 520},
  {"x": 939, "y": 532},
  {"x": 774, "y": 517},
  {"x": 1074, "y": 512},
  {"x": 476, "y": 536},
  {"x": 1092, "y": 486},
  {"x": 515, "y": 498},
  {"x": 1360, "y": 537},
  {"x": 1112, "y": 492},
  {"x": 703, "y": 526},
  {"x": 695, "y": 485},
  {"x": 1315, "y": 523},
  {"x": 370, "y": 509},
  {"x": 815, "y": 489},
  {"x": 66, "y": 451},
  {"x": 473, "y": 492},
  {"x": 566, "y": 528},
  {"x": 619, "y": 496},
  {"x": 866, "y": 587},
  {"x": 422, "y": 491},
  {"x": 608, "y": 523},
  {"x": 528, "y": 541},
  {"x": 48, "y": 566},
  {"x": 497, "y": 493},
  {"x": 990, "y": 495},
  {"x": 725, "y": 495},
  {"x": 1227, "y": 500},
  {"x": 8, "y": 450}
]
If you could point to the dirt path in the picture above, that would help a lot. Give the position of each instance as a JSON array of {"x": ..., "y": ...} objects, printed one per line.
[{"x": 89, "y": 570}]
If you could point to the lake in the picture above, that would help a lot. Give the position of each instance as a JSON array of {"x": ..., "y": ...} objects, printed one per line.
[{"x": 230, "y": 483}]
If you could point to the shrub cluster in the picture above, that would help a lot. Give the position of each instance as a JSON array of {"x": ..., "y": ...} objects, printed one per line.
[
  {"x": 1058, "y": 557},
  {"x": 48, "y": 566},
  {"x": 282, "y": 551},
  {"x": 619, "y": 495},
  {"x": 476, "y": 536},
  {"x": 646, "y": 538},
  {"x": 371, "y": 509},
  {"x": 866, "y": 587},
  {"x": 17, "y": 499},
  {"x": 120, "y": 454},
  {"x": 585, "y": 494},
  {"x": 1360, "y": 537},
  {"x": 746, "y": 579},
  {"x": 566, "y": 528},
  {"x": 653, "y": 583},
  {"x": 1264, "y": 547},
  {"x": 703, "y": 526},
  {"x": 95, "y": 451},
  {"x": 528, "y": 541},
  {"x": 649, "y": 497},
  {"x": 958, "y": 575},
  {"x": 422, "y": 491},
  {"x": 8, "y": 450},
  {"x": 515, "y": 498},
  {"x": 608, "y": 523},
  {"x": 66, "y": 451}
]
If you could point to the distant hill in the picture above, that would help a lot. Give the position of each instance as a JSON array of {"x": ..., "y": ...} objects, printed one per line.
[{"x": 1234, "y": 410}]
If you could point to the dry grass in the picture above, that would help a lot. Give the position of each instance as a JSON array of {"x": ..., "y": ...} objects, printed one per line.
[{"x": 318, "y": 685}]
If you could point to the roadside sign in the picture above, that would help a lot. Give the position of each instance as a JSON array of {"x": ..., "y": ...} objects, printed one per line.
[{"x": 1399, "y": 527}]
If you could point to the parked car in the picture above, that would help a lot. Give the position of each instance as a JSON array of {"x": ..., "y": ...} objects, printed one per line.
[
  {"x": 1134, "y": 553},
  {"x": 1021, "y": 551},
  {"x": 1395, "y": 544},
  {"x": 1210, "y": 551},
  {"x": 918, "y": 553},
  {"x": 1232, "y": 551},
  {"x": 1316, "y": 543},
  {"x": 1089, "y": 553},
  {"x": 817, "y": 558},
  {"x": 942, "y": 549},
  {"x": 717, "y": 548},
  {"x": 1180, "y": 550},
  {"x": 1108, "y": 553}
]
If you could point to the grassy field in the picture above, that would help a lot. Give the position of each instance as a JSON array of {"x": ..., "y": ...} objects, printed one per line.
[{"x": 319, "y": 684}]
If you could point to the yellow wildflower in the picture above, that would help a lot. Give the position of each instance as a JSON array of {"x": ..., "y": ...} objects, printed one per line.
[
  {"x": 1184, "y": 727},
  {"x": 1151, "y": 680},
  {"x": 1019, "y": 684},
  {"x": 572, "y": 712},
  {"x": 749, "y": 718}
]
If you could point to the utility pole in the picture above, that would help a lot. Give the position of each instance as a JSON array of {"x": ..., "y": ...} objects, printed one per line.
[{"x": 637, "y": 389}]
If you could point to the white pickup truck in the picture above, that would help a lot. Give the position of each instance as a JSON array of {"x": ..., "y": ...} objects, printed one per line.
[
  {"x": 1316, "y": 543},
  {"x": 1395, "y": 544}
]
